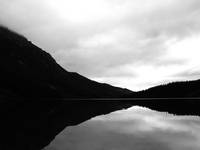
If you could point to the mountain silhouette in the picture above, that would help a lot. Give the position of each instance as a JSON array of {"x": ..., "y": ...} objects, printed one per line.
[
  {"x": 28, "y": 71},
  {"x": 186, "y": 89}
]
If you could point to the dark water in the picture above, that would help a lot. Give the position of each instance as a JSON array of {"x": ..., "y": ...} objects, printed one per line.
[
  {"x": 136, "y": 128},
  {"x": 179, "y": 106}
]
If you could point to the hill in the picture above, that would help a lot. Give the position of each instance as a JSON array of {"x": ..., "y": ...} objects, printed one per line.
[
  {"x": 186, "y": 89},
  {"x": 28, "y": 71}
]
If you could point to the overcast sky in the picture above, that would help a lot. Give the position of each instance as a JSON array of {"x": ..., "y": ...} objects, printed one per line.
[
  {"x": 129, "y": 43},
  {"x": 136, "y": 128}
]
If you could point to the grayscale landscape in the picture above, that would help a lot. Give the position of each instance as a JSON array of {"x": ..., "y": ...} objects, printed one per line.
[{"x": 100, "y": 74}]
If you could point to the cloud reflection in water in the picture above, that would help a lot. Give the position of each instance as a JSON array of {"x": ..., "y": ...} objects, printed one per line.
[{"x": 135, "y": 128}]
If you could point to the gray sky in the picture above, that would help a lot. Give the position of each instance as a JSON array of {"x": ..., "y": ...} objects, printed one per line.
[
  {"x": 129, "y": 43},
  {"x": 135, "y": 128}
]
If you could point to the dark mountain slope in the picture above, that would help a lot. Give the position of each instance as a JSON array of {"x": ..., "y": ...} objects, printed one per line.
[
  {"x": 28, "y": 71},
  {"x": 187, "y": 89},
  {"x": 30, "y": 82}
]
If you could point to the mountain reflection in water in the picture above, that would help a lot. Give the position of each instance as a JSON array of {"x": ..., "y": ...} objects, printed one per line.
[{"x": 135, "y": 128}]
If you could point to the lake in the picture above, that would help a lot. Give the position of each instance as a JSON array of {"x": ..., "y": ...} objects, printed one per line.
[{"x": 136, "y": 127}]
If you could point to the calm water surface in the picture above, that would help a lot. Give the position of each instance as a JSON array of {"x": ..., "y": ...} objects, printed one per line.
[{"x": 135, "y": 128}]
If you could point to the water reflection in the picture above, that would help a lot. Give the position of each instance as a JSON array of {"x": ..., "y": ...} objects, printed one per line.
[{"x": 135, "y": 128}]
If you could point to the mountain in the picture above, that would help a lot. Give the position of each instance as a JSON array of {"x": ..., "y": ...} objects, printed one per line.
[
  {"x": 28, "y": 71},
  {"x": 36, "y": 92},
  {"x": 186, "y": 89}
]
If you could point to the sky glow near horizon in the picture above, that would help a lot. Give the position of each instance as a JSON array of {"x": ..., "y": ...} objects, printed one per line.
[
  {"x": 128, "y": 43},
  {"x": 135, "y": 128}
]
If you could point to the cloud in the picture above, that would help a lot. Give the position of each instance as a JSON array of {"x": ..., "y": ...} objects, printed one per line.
[
  {"x": 135, "y": 128},
  {"x": 111, "y": 41}
]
